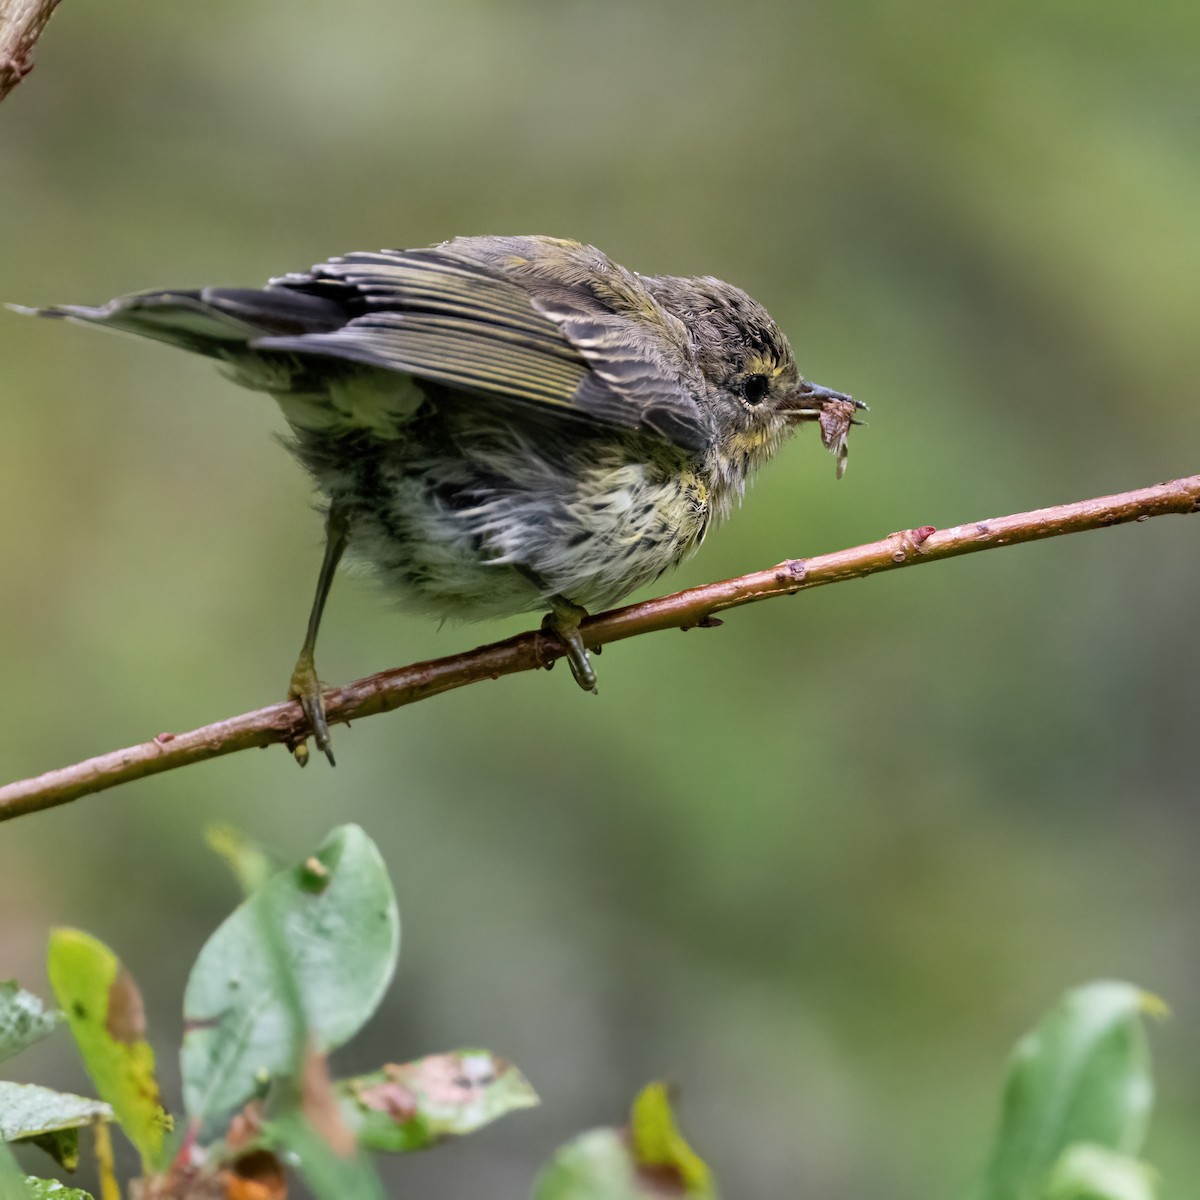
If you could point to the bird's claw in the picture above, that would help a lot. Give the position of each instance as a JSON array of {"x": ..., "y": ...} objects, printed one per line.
[
  {"x": 563, "y": 622},
  {"x": 306, "y": 687}
]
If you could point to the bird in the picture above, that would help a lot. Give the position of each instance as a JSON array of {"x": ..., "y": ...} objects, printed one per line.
[{"x": 502, "y": 424}]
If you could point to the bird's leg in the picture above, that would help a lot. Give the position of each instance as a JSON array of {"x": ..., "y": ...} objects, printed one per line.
[
  {"x": 305, "y": 686},
  {"x": 563, "y": 621}
]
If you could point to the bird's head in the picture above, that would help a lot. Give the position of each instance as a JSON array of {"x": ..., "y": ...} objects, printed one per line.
[{"x": 755, "y": 394}]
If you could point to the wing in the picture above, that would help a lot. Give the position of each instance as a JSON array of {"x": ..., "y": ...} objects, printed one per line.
[{"x": 530, "y": 320}]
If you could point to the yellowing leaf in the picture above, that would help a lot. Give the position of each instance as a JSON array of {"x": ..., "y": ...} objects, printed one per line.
[
  {"x": 647, "y": 1160},
  {"x": 659, "y": 1146},
  {"x": 104, "y": 1010}
]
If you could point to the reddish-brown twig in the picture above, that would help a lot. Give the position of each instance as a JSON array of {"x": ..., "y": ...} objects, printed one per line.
[
  {"x": 21, "y": 24},
  {"x": 285, "y": 724}
]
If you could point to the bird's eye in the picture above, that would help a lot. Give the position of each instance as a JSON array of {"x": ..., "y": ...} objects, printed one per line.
[{"x": 755, "y": 388}]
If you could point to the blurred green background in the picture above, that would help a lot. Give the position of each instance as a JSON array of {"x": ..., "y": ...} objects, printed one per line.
[{"x": 821, "y": 867}]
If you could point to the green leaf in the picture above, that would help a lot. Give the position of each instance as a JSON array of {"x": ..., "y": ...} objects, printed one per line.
[
  {"x": 648, "y": 1160},
  {"x": 414, "y": 1105},
  {"x": 1082, "y": 1076},
  {"x": 330, "y": 1175},
  {"x": 27, "y": 1110},
  {"x": 51, "y": 1189},
  {"x": 49, "y": 1119},
  {"x": 306, "y": 958},
  {"x": 1089, "y": 1172},
  {"x": 105, "y": 1013},
  {"x": 594, "y": 1166},
  {"x": 249, "y": 862},
  {"x": 12, "y": 1178},
  {"x": 62, "y": 1145},
  {"x": 23, "y": 1019}
]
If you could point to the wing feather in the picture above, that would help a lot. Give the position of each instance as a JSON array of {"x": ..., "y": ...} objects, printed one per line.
[{"x": 491, "y": 317}]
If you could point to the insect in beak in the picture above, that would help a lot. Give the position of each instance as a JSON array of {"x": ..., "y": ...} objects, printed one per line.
[
  {"x": 834, "y": 410},
  {"x": 810, "y": 401}
]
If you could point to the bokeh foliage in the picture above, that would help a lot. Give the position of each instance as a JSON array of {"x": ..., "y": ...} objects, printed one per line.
[
  {"x": 260, "y": 1103},
  {"x": 847, "y": 843}
]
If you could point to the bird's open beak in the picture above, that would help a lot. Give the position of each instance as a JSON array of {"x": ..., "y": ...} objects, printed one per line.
[
  {"x": 810, "y": 400},
  {"x": 834, "y": 410}
]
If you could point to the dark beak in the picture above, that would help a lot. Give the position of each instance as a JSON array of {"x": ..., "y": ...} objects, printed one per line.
[
  {"x": 809, "y": 401},
  {"x": 835, "y": 412}
]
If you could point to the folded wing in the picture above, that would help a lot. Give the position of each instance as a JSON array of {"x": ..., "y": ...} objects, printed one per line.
[{"x": 479, "y": 317}]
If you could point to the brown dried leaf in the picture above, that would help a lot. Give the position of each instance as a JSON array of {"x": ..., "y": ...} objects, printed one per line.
[
  {"x": 256, "y": 1176},
  {"x": 391, "y": 1098},
  {"x": 126, "y": 1019}
]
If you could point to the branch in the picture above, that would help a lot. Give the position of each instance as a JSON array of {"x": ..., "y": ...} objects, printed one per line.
[
  {"x": 21, "y": 24},
  {"x": 284, "y": 723}
]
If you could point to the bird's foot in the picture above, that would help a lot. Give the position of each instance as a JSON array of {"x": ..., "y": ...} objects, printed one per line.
[
  {"x": 306, "y": 687},
  {"x": 563, "y": 621}
]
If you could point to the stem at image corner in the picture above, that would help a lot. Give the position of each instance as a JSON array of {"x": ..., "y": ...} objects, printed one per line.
[
  {"x": 285, "y": 724},
  {"x": 21, "y": 24}
]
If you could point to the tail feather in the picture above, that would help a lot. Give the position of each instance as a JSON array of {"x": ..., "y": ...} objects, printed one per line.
[{"x": 210, "y": 321}]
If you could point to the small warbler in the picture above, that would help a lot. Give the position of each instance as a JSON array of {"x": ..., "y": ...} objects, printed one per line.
[{"x": 503, "y": 424}]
